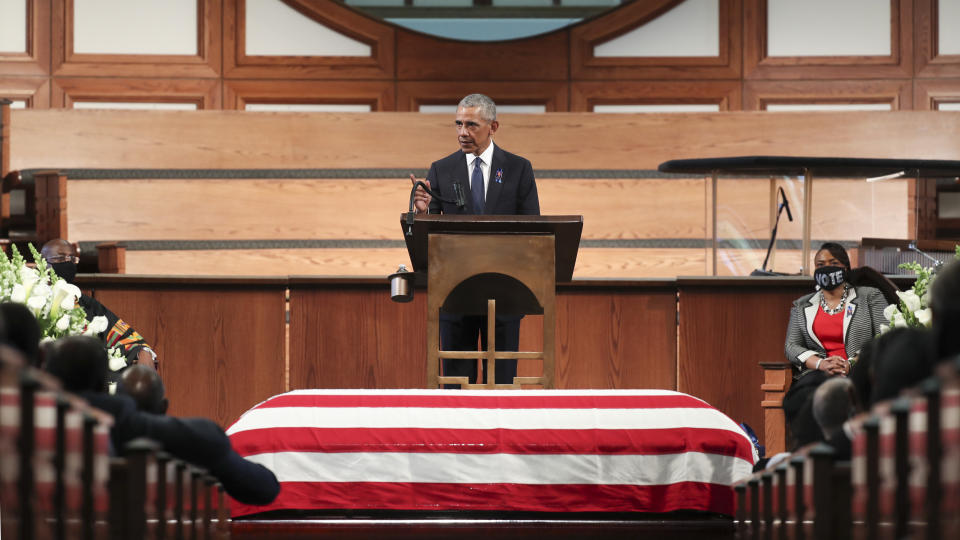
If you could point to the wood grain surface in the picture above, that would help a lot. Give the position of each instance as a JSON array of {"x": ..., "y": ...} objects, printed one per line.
[
  {"x": 576, "y": 141},
  {"x": 723, "y": 334},
  {"x": 221, "y": 348}
]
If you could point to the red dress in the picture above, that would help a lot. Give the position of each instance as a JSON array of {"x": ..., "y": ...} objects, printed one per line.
[{"x": 829, "y": 330}]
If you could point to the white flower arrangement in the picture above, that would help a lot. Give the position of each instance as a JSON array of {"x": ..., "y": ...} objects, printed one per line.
[
  {"x": 52, "y": 300},
  {"x": 913, "y": 310}
]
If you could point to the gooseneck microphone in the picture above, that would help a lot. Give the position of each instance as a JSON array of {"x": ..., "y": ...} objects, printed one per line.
[{"x": 458, "y": 200}]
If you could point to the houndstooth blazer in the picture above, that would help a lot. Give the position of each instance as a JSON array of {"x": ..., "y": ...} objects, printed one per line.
[{"x": 861, "y": 323}]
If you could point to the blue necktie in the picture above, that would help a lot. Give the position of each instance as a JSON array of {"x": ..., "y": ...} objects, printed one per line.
[{"x": 476, "y": 185}]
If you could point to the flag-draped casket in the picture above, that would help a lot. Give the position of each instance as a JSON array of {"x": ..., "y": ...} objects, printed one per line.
[{"x": 501, "y": 450}]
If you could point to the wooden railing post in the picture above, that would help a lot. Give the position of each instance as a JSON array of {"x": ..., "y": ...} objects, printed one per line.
[
  {"x": 163, "y": 493},
  {"x": 901, "y": 510},
  {"x": 111, "y": 258},
  {"x": 799, "y": 497},
  {"x": 4, "y": 159},
  {"x": 51, "y": 197},
  {"x": 4, "y": 137},
  {"x": 88, "y": 512},
  {"x": 26, "y": 448},
  {"x": 776, "y": 381},
  {"x": 139, "y": 454},
  {"x": 932, "y": 391},
  {"x": 822, "y": 456},
  {"x": 782, "y": 506},
  {"x": 196, "y": 476},
  {"x": 208, "y": 485},
  {"x": 59, "y": 464},
  {"x": 223, "y": 514},
  {"x": 871, "y": 428},
  {"x": 842, "y": 490},
  {"x": 178, "y": 502},
  {"x": 741, "y": 518},
  {"x": 119, "y": 513},
  {"x": 767, "y": 480},
  {"x": 754, "y": 486}
]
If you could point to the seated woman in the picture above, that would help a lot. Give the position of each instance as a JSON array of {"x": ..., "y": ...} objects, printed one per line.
[{"x": 826, "y": 331}]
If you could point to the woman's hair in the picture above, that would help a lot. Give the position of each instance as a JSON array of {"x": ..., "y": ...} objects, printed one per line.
[{"x": 837, "y": 251}]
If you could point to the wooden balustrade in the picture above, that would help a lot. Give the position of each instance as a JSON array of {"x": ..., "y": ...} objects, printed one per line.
[
  {"x": 55, "y": 482},
  {"x": 902, "y": 482}
]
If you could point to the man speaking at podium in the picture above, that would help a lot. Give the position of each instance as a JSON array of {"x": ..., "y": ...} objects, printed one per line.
[{"x": 493, "y": 181}]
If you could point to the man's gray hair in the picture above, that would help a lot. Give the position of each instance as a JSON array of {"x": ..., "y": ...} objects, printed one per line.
[{"x": 488, "y": 109}]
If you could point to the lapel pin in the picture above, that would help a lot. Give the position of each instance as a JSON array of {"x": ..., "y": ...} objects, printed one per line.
[{"x": 499, "y": 176}]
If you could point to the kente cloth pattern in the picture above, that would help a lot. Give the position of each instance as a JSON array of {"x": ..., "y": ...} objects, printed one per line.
[{"x": 497, "y": 450}]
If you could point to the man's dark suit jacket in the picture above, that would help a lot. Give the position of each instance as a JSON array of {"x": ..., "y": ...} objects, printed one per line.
[
  {"x": 512, "y": 189},
  {"x": 197, "y": 440}
]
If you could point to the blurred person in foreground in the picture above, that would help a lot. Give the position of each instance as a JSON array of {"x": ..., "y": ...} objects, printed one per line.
[{"x": 80, "y": 363}]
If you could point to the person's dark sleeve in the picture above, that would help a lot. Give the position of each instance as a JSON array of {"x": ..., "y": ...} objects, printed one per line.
[
  {"x": 199, "y": 441},
  {"x": 118, "y": 332},
  {"x": 527, "y": 198},
  {"x": 436, "y": 207}
]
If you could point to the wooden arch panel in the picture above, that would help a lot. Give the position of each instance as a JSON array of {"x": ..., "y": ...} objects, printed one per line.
[
  {"x": 333, "y": 15},
  {"x": 585, "y": 36}
]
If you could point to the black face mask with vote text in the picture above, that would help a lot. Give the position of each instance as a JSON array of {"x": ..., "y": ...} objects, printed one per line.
[
  {"x": 830, "y": 277},
  {"x": 66, "y": 270}
]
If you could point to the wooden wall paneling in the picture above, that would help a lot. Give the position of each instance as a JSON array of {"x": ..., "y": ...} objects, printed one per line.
[
  {"x": 379, "y": 262},
  {"x": 204, "y": 92},
  {"x": 585, "y": 36},
  {"x": 36, "y": 59},
  {"x": 426, "y": 58},
  {"x": 617, "y": 338},
  {"x": 34, "y": 90},
  {"x": 344, "y": 336},
  {"x": 757, "y": 65},
  {"x": 356, "y": 337},
  {"x": 553, "y": 95},
  {"x": 206, "y": 63},
  {"x": 357, "y": 261},
  {"x": 929, "y": 61},
  {"x": 897, "y": 92},
  {"x": 575, "y": 141},
  {"x": 585, "y": 94},
  {"x": 334, "y": 15},
  {"x": 724, "y": 332},
  {"x": 929, "y": 94},
  {"x": 380, "y": 95},
  {"x": 221, "y": 348}
]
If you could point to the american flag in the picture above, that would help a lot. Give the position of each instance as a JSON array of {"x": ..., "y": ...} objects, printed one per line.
[{"x": 500, "y": 450}]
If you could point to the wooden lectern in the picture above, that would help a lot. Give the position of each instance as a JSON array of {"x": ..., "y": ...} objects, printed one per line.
[{"x": 490, "y": 265}]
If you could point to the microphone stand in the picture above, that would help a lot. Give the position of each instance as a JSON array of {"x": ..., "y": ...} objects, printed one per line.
[
  {"x": 773, "y": 236},
  {"x": 937, "y": 263},
  {"x": 460, "y": 201}
]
